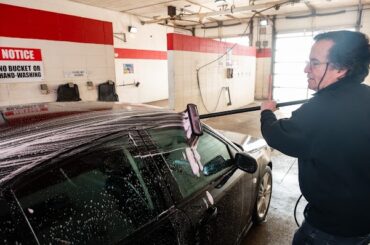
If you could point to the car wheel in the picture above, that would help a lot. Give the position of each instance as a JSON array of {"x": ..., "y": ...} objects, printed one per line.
[{"x": 263, "y": 196}]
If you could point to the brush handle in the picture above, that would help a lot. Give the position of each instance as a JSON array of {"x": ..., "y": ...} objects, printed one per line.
[{"x": 254, "y": 108}]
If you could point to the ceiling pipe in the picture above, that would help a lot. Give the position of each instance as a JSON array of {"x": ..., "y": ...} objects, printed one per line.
[
  {"x": 221, "y": 24},
  {"x": 225, "y": 22},
  {"x": 245, "y": 8},
  {"x": 315, "y": 14},
  {"x": 227, "y": 11}
]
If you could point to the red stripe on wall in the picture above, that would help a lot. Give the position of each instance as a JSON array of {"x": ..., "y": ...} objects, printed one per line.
[
  {"x": 205, "y": 45},
  {"x": 20, "y": 54},
  {"x": 264, "y": 53},
  {"x": 20, "y": 22},
  {"x": 122, "y": 53}
]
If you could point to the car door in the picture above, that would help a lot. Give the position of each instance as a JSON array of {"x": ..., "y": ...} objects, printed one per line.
[
  {"x": 104, "y": 193},
  {"x": 212, "y": 194}
]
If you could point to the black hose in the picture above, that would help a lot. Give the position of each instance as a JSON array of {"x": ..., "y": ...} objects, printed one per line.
[{"x": 295, "y": 210}]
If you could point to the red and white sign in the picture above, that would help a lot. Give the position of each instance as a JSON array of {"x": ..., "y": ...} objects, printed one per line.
[{"x": 20, "y": 64}]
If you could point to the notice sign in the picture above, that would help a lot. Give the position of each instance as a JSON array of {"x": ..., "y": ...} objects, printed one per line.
[{"x": 20, "y": 64}]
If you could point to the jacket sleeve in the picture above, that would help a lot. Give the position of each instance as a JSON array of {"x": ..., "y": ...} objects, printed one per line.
[{"x": 287, "y": 135}]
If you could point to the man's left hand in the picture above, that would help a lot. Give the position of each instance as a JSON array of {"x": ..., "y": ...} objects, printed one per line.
[{"x": 268, "y": 105}]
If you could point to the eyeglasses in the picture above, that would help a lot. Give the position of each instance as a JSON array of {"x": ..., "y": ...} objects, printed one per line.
[{"x": 315, "y": 63}]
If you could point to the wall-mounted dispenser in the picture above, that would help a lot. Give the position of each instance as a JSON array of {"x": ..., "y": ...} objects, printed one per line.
[
  {"x": 132, "y": 29},
  {"x": 44, "y": 88},
  {"x": 229, "y": 72},
  {"x": 107, "y": 91},
  {"x": 135, "y": 83},
  {"x": 68, "y": 92},
  {"x": 90, "y": 85}
]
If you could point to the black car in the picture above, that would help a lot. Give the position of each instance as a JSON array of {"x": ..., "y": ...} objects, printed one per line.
[{"x": 135, "y": 175}]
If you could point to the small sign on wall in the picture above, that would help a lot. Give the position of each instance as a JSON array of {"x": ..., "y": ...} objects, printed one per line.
[
  {"x": 128, "y": 68},
  {"x": 20, "y": 64},
  {"x": 75, "y": 74}
]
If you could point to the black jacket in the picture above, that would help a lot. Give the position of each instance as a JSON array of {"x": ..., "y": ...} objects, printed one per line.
[{"x": 330, "y": 136}]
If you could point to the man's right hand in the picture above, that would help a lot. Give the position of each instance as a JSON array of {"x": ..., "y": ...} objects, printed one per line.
[{"x": 268, "y": 105}]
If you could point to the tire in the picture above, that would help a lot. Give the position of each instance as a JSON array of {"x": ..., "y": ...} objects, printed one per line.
[{"x": 263, "y": 199}]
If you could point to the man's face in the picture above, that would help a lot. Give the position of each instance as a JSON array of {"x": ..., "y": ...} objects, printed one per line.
[{"x": 317, "y": 65}]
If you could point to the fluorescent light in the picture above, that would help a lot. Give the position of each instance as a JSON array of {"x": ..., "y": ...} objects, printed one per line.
[
  {"x": 220, "y": 3},
  {"x": 132, "y": 29}
]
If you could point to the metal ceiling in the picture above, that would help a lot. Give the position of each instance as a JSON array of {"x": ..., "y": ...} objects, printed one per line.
[{"x": 194, "y": 13}]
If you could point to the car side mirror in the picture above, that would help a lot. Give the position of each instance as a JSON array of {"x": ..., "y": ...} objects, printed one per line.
[{"x": 246, "y": 162}]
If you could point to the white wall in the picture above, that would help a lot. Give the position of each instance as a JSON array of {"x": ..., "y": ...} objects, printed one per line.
[
  {"x": 263, "y": 58},
  {"x": 183, "y": 83},
  {"x": 97, "y": 60},
  {"x": 58, "y": 58},
  {"x": 151, "y": 73}
]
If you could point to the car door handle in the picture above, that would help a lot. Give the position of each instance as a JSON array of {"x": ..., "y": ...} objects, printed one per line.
[{"x": 209, "y": 215}]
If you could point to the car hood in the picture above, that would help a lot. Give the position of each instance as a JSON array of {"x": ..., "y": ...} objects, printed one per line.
[{"x": 248, "y": 142}]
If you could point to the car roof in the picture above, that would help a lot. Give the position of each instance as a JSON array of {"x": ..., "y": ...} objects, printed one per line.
[
  {"x": 19, "y": 115},
  {"x": 24, "y": 146}
]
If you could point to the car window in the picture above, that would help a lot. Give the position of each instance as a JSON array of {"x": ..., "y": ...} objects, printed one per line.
[
  {"x": 213, "y": 153},
  {"x": 95, "y": 197}
]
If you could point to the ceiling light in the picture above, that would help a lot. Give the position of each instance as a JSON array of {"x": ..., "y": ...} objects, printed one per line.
[
  {"x": 220, "y": 3},
  {"x": 132, "y": 29}
]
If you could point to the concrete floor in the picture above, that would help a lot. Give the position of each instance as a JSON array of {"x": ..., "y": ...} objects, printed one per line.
[{"x": 280, "y": 224}]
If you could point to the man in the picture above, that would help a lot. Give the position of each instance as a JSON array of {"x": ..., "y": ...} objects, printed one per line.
[{"x": 330, "y": 136}]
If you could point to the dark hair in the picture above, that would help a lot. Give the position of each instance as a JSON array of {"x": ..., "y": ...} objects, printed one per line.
[{"x": 351, "y": 50}]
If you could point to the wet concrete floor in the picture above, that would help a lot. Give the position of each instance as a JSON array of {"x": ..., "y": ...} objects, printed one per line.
[{"x": 280, "y": 224}]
